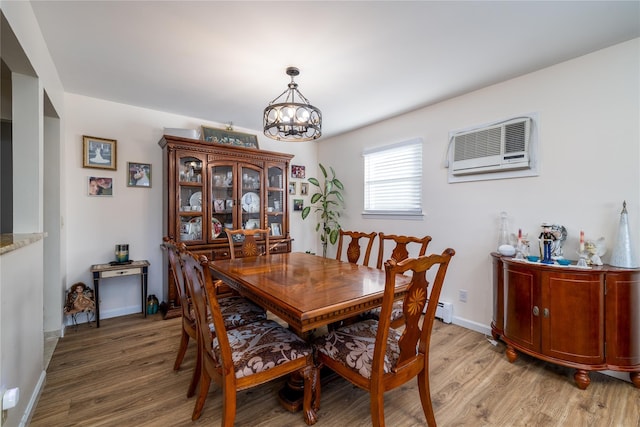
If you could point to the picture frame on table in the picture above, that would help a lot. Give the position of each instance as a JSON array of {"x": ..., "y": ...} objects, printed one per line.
[
  {"x": 99, "y": 186},
  {"x": 229, "y": 137},
  {"x": 292, "y": 188},
  {"x": 138, "y": 175},
  {"x": 98, "y": 153}
]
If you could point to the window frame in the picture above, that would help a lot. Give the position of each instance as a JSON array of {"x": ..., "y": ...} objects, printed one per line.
[{"x": 410, "y": 214}]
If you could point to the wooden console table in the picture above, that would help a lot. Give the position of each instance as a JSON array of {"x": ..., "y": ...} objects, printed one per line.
[
  {"x": 103, "y": 271},
  {"x": 582, "y": 318}
]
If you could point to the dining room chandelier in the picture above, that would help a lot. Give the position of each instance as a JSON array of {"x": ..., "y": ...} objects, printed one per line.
[{"x": 290, "y": 116}]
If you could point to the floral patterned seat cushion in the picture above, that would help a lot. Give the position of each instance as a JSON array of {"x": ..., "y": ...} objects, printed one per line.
[
  {"x": 236, "y": 311},
  {"x": 396, "y": 312},
  {"x": 260, "y": 346},
  {"x": 353, "y": 346}
]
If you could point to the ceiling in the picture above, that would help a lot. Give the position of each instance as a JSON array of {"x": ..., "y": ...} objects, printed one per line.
[{"x": 360, "y": 61}]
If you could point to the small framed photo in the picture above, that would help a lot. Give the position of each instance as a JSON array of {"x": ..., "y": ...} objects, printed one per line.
[
  {"x": 304, "y": 188},
  {"x": 297, "y": 171},
  {"x": 98, "y": 153},
  {"x": 298, "y": 204},
  {"x": 100, "y": 186},
  {"x": 228, "y": 137},
  {"x": 275, "y": 229},
  {"x": 219, "y": 205},
  {"x": 139, "y": 175},
  {"x": 292, "y": 188}
]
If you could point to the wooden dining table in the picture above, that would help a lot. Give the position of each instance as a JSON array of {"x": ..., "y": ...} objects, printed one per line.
[
  {"x": 304, "y": 290},
  {"x": 307, "y": 292}
]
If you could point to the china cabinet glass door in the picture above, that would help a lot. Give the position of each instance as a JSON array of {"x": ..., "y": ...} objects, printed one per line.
[
  {"x": 250, "y": 197},
  {"x": 276, "y": 200},
  {"x": 190, "y": 188},
  {"x": 223, "y": 200}
]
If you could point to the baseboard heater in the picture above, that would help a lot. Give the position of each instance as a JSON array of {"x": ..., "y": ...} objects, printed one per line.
[{"x": 444, "y": 311}]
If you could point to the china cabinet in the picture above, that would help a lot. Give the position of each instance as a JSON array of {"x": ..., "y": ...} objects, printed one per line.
[
  {"x": 211, "y": 187},
  {"x": 583, "y": 318}
]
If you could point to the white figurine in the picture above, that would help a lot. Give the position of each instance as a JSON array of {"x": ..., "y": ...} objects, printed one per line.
[{"x": 595, "y": 250}]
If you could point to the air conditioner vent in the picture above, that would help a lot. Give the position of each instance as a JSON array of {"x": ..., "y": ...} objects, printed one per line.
[{"x": 494, "y": 148}]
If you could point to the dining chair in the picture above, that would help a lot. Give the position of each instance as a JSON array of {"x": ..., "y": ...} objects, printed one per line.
[
  {"x": 397, "y": 357},
  {"x": 400, "y": 252},
  {"x": 237, "y": 310},
  {"x": 244, "y": 357},
  {"x": 249, "y": 240},
  {"x": 354, "y": 249}
]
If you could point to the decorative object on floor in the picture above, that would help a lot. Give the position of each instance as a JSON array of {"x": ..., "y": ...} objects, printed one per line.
[
  {"x": 286, "y": 119},
  {"x": 329, "y": 201},
  {"x": 152, "y": 304},
  {"x": 139, "y": 175},
  {"x": 623, "y": 254},
  {"x": 229, "y": 137},
  {"x": 80, "y": 299},
  {"x": 98, "y": 153}
]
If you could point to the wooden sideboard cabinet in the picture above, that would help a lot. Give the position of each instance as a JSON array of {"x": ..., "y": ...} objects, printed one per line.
[
  {"x": 587, "y": 319},
  {"x": 210, "y": 187}
]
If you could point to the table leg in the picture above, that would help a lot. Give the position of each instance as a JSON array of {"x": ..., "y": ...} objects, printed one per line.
[
  {"x": 144, "y": 291},
  {"x": 96, "y": 289}
]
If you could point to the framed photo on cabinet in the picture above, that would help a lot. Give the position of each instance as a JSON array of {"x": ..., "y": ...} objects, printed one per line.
[{"x": 98, "y": 153}]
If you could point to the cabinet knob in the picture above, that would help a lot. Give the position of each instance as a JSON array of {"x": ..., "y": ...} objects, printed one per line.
[
  {"x": 536, "y": 310},
  {"x": 545, "y": 312}
]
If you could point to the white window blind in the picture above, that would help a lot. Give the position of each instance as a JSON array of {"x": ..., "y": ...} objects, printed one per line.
[{"x": 393, "y": 179}]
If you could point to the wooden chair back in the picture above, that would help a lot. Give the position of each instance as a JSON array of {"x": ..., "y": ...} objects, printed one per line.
[
  {"x": 354, "y": 249},
  {"x": 249, "y": 246},
  {"x": 400, "y": 251},
  {"x": 397, "y": 357},
  {"x": 173, "y": 255},
  {"x": 217, "y": 354}
]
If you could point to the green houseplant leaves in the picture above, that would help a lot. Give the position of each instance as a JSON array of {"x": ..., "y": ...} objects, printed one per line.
[{"x": 328, "y": 201}]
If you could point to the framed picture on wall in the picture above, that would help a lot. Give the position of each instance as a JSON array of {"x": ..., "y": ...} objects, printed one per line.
[
  {"x": 292, "y": 188},
  {"x": 139, "y": 175},
  {"x": 304, "y": 188},
  {"x": 228, "y": 137},
  {"x": 99, "y": 186},
  {"x": 98, "y": 153},
  {"x": 297, "y": 171},
  {"x": 298, "y": 204}
]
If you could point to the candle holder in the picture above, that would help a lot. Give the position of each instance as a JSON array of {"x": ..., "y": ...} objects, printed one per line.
[{"x": 582, "y": 261}]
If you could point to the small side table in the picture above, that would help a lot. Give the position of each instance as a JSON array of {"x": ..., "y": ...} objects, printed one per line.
[{"x": 103, "y": 271}]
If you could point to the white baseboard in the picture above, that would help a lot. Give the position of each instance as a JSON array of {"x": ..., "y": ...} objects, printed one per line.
[{"x": 33, "y": 400}]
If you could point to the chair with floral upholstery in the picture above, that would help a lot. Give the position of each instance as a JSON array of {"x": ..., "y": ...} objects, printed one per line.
[
  {"x": 354, "y": 249},
  {"x": 396, "y": 357},
  {"x": 246, "y": 356},
  {"x": 237, "y": 310},
  {"x": 249, "y": 240},
  {"x": 400, "y": 252}
]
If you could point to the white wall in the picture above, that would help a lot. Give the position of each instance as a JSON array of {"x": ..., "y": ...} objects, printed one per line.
[
  {"x": 589, "y": 135},
  {"x": 21, "y": 271},
  {"x": 132, "y": 215}
]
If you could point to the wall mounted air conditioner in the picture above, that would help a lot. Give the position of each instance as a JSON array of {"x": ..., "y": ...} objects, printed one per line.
[{"x": 494, "y": 148}]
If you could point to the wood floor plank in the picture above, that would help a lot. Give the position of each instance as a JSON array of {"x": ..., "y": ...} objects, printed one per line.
[{"x": 122, "y": 375}]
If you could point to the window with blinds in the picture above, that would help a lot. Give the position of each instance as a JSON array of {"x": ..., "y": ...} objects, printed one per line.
[{"x": 393, "y": 179}]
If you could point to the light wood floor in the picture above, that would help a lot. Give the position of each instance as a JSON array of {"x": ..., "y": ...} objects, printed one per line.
[{"x": 121, "y": 375}]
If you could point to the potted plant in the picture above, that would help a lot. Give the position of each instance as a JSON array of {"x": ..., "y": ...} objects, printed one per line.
[{"x": 328, "y": 201}]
